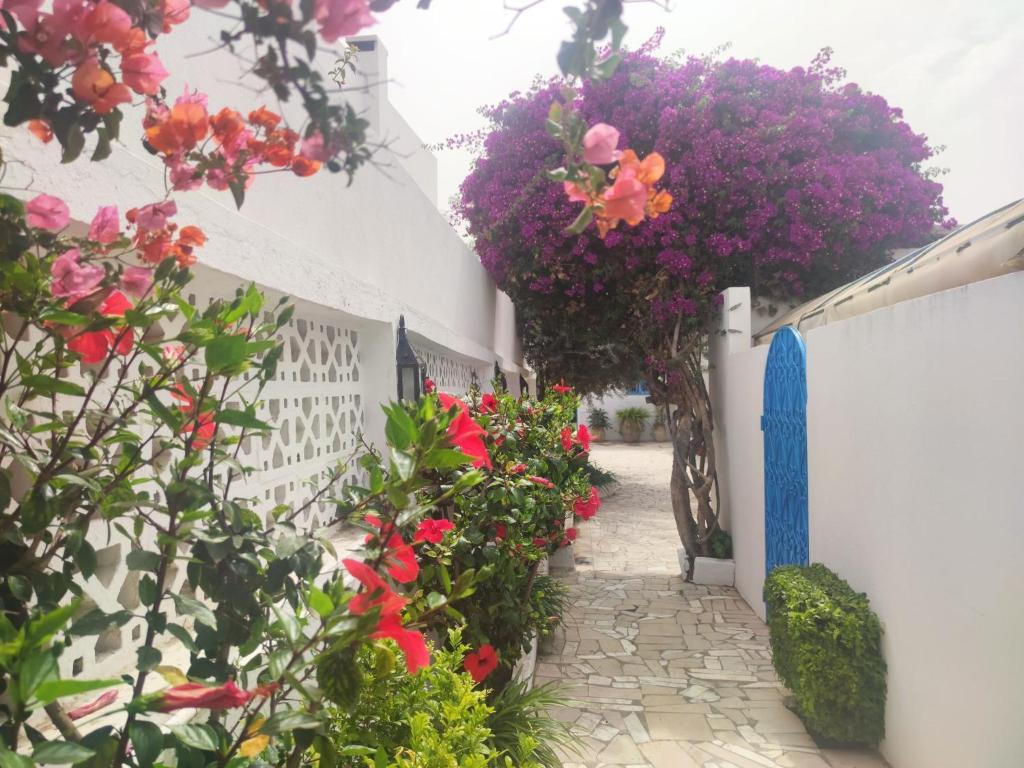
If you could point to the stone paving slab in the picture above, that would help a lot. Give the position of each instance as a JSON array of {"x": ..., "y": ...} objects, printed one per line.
[{"x": 660, "y": 673}]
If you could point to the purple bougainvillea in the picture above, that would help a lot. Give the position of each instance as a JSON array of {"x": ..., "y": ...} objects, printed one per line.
[{"x": 789, "y": 181}]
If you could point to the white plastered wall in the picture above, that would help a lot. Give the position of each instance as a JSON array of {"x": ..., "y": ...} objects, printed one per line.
[{"x": 915, "y": 435}]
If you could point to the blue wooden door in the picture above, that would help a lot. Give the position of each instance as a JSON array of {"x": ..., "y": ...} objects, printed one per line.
[{"x": 784, "y": 423}]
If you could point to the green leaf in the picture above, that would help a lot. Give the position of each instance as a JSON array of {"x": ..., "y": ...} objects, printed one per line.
[
  {"x": 246, "y": 419},
  {"x": 289, "y": 721},
  {"x": 48, "y": 385},
  {"x": 446, "y": 458},
  {"x": 198, "y": 736},
  {"x": 60, "y": 753},
  {"x": 226, "y": 353},
  {"x": 10, "y": 759},
  {"x": 96, "y": 621},
  {"x": 320, "y": 602},
  {"x": 73, "y": 142},
  {"x": 163, "y": 413},
  {"x": 34, "y": 671},
  {"x": 289, "y": 624},
  {"x": 183, "y": 636},
  {"x": 147, "y": 741},
  {"x": 56, "y": 689},
  {"x": 141, "y": 560},
  {"x": 148, "y": 658},
  {"x": 582, "y": 221},
  {"x": 42, "y": 629},
  {"x": 188, "y": 605}
]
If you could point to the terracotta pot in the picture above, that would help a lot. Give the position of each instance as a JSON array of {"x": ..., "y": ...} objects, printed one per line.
[
  {"x": 631, "y": 432},
  {"x": 660, "y": 432},
  {"x": 596, "y": 434}
]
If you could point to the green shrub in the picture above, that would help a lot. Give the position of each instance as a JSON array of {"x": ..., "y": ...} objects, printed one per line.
[
  {"x": 826, "y": 645},
  {"x": 523, "y": 729},
  {"x": 601, "y": 478},
  {"x": 720, "y": 544},
  {"x": 633, "y": 415},
  {"x": 598, "y": 419}
]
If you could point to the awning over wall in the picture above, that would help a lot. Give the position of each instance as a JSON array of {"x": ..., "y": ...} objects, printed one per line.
[{"x": 991, "y": 246}]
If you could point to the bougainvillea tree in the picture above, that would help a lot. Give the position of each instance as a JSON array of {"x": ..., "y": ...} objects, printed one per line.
[{"x": 789, "y": 181}]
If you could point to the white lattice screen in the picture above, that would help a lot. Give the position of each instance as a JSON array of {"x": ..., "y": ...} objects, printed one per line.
[
  {"x": 317, "y": 403},
  {"x": 449, "y": 374}
]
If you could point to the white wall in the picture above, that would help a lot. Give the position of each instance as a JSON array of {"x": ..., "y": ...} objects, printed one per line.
[
  {"x": 612, "y": 402},
  {"x": 915, "y": 436}
]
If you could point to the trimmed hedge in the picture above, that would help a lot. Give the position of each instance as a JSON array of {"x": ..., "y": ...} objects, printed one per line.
[{"x": 827, "y": 648}]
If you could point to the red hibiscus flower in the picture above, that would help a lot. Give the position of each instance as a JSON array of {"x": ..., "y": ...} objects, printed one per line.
[
  {"x": 571, "y": 534},
  {"x": 375, "y": 591},
  {"x": 583, "y": 437},
  {"x": 539, "y": 542},
  {"x": 561, "y": 388},
  {"x": 410, "y": 641},
  {"x": 465, "y": 434},
  {"x": 400, "y": 560},
  {"x": 187, "y": 695},
  {"x": 93, "y": 346},
  {"x": 517, "y": 469},
  {"x": 203, "y": 425},
  {"x": 429, "y": 385},
  {"x": 566, "y": 439},
  {"x": 542, "y": 481},
  {"x": 432, "y": 530},
  {"x": 481, "y": 663},
  {"x": 587, "y": 508},
  {"x": 500, "y": 532},
  {"x": 489, "y": 403}
]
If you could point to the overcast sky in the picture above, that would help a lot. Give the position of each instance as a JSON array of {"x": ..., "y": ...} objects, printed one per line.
[{"x": 954, "y": 66}]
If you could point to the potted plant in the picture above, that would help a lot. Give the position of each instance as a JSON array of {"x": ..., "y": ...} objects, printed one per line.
[
  {"x": 718, "y": 569},
  {"x": 598, "y": 422},
  {"x": 659, "y": 428},
  {"x": 632, "y": 422}
]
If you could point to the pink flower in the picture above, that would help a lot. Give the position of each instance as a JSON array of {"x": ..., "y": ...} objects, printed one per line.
[
  {"x": 184, "y": 177},
  {"x": 489, "y": 403},
  {"x": 173, "y": 353},
  {"x": 201, "y": 696},
  {"x": 155, "y": 215},
  {"x": 433, "y": 530},
  {"x": 95, "y": 705},
  {"x": 314, "y": 147},
  {"x": 575, "y": 193},
  {"x": 105, "y": 23},
  {"x": 25, "y": 11},
  {"x": 341, "y": 18},
  {"x": 541, "y": 481},
  {"x": 599, "y": 145},
  {"x": 137, "y": 281},
  {"x": 105, "y": 227},
  {"x": 143, "y": 73},
  {"x": 48, "y": 212},
  {"x": 71, "y": 280}
]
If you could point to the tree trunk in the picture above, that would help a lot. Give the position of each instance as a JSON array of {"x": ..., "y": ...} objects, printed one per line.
[{"x": 694, "y": 475}]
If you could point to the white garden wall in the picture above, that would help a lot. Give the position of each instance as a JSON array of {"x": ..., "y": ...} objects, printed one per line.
[{"x": 915, "y": 434}]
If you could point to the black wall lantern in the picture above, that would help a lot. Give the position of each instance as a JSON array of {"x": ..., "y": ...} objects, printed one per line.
[
  {"x": 500, "y": 377},
  {"x": 407, "y": 367}
]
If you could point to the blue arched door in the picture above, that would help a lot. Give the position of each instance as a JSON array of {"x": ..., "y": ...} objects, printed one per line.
[{"x": 784, "y": 423}]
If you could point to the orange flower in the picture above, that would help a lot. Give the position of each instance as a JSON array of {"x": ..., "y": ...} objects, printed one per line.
[
  {"x": 41, "y": 130},
  {"x": 192, "y": 235},
  {"x": 280, "y": 147},
  {"x": 647, "y": 171},
  {"x": 186, "y": 125},
  {"x": 95, "y": 86},
  {"x": 303, "y": 166},
  {"x": 264, "y": 118},
  {"x": 227, "y": 124}
]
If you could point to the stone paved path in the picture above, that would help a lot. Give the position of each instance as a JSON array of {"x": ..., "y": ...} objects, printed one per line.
[{"x": 663, "y": 674}]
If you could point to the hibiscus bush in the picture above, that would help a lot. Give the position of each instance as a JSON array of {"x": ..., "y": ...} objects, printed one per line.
[{"x": 483, "y": 546}]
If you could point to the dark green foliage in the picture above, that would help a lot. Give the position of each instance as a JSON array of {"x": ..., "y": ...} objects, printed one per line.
[
  {"x": 522, "y": 726},
  {"x": 826, "y": 645},
  {"x": 601, "y": 478},
  {"x": 720, "y": 544}
]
